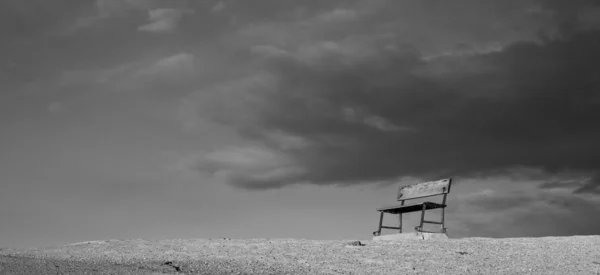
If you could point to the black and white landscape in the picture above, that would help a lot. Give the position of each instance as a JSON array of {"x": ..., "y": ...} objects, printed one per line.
[{"x": 294, "y": 119}]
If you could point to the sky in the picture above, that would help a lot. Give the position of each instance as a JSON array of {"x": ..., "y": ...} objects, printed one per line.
[{"x": 168, "y": 119}]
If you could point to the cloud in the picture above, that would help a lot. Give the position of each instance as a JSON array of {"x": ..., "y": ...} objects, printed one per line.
[
  {"x": 480, "y": 26},
  {"x": 163, "y": 20},
  {"x": 177, "y": 65},
  {"x": 494, "y": 201},
  {"x": 163, "y": 16},
  {"x": 416, "y": 110},
  {"x": 56, "y": 107},
  {"x": 589, "y": 185},
  {"x": 356, "y": 116},
  {"x": 588, "y": 19},
  {"x": 164, "y": 75},
  {"x": 218, "y": 7},
  {"x": 338, "y": 15},
  {"x": 102, "y": 11},
  {"x": 268, "y": 51},
  {"x": 170, "y": 75},
  {"x": 521, "y": 214},
  {"x": 250, "y": 167},
  {"x": 556, "y": 184},
  {"x": 111, "y": 8},
  {"x": 514, "y": 206}
]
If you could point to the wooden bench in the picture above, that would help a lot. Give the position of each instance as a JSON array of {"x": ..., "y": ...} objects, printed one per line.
[{"x": 415, "y": 191}]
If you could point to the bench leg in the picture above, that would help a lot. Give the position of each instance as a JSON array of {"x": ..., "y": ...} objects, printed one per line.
[
  {"x": 422, "y": 218},
  {"x": 400, "y": 218},
  {"x": 402, "y": 203},
  {"x": 442, "y": 225},
  {"x": 444, "y": 213},
  {"x": 378, "y": 232}
]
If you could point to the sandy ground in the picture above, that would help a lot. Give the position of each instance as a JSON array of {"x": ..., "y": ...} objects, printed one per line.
[{"x": 550, "y": 255}]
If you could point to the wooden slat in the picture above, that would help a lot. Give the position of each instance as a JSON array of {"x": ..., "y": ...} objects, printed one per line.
[
  {"x": 410, "y": 208},
  {"x": 424, "y": 189}
]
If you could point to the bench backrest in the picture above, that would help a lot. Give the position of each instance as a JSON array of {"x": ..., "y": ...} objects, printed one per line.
[{"x": 425, "y": 189}]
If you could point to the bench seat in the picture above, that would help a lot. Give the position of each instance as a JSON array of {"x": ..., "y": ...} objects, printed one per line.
[{"x": 410, "y": 207}]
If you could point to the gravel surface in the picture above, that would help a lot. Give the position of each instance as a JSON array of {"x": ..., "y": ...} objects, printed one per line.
[{"x": 549, "y": 255}]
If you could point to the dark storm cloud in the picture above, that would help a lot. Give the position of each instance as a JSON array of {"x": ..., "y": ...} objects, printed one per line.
[
  {"x": 377, "y": 104},
  {"x": 532, "y": 105},
  {"x": 557, "y": 185},
  {"x": 588, "y": 185},
  {"x": 543, "y": 212},
  {"x": 563, "y": 215},
  {"x": 502, "y": 202}
]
